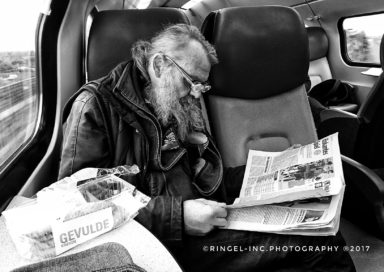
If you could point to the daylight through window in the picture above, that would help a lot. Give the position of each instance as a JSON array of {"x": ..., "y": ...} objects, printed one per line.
[{"x": 19, "y": 99}]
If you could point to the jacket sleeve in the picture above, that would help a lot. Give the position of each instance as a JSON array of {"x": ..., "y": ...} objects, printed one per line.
[
  {"x": 233, "y": 180},
  {"x": 163, "y": 217},
  {"x": 85, "y": 142}
]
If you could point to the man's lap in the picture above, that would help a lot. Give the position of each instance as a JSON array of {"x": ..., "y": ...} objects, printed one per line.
[{"x": 232, "y": 250}]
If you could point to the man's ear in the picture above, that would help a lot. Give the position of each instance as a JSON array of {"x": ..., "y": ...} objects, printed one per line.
[{"x": 158, "y": 64}]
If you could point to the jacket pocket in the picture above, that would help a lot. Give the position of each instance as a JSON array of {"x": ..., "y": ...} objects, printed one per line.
[{"x": 209, "y": 178}]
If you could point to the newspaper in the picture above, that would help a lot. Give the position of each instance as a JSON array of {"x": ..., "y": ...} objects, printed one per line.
[{"x": 296, "y": 191}]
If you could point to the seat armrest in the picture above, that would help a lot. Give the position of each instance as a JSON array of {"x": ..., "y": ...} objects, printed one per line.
[
  {"x": 336, "y": 113},
  {"x": 364, "y": 195},
  {"x": 345, "y": 123},
  {"x": 348, "y": 107},
  {"x": 370, "y": 184}
]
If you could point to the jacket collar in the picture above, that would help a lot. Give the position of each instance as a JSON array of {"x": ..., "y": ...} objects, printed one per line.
[{"x": 130, "y": 83}]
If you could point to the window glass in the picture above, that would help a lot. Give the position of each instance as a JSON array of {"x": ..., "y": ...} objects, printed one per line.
[
  {"x": 362, "y": 38},
  {"x": 19, "y": 97}
]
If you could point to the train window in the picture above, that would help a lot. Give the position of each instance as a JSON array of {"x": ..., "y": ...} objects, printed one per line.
[
  {"x": 362, "y": 36},
  {"x": 19, "y": 95}
]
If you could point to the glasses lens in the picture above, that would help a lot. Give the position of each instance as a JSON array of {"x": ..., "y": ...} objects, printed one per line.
[
  {"x": 202, "y": 87},
  {"x": 206, "y": 88},
  {"x": 199, "y": 88}
]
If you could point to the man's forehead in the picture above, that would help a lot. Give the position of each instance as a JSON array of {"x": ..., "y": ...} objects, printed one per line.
[{"x": 195, "y": 60}]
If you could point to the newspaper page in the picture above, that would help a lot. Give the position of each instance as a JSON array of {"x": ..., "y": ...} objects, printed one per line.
[
  {"x": 313, "y": 170},
  {"x": 319, "y": 229},
  {"x": 319, "y": 216}
]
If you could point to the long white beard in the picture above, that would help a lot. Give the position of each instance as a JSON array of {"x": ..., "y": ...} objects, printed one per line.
[{"x": 167, "y": 104}]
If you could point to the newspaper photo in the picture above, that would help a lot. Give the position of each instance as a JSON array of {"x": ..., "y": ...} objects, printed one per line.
[{"x": 296, "y": 191}]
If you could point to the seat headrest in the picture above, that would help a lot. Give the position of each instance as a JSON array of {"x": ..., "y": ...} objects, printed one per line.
[
  {"x": 318, "y": 43},
  {"x": 113, "y": 33},
  {"x": 267, "y": 46}
]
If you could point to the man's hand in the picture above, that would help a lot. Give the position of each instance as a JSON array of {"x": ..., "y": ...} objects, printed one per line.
[{"x": 202, "y": 215}]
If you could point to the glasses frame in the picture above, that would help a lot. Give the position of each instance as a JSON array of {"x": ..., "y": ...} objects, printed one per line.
[{"x": 196, "y": 86}]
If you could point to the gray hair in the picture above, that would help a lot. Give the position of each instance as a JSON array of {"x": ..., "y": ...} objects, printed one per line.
[{"x": 172, "y": 38}]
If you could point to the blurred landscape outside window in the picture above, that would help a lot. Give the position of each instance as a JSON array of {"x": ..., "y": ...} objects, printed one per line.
[
  {"x": 19, "y": 98},
  {"x": 363, "y": 35}
]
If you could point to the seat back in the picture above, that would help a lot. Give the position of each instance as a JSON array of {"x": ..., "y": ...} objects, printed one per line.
[
  {"x": 370, "y": 144},
  {"x": 319, "y": 69},
  {"x": 258, "y": 99},
  {"x": 113, "y": 33}
]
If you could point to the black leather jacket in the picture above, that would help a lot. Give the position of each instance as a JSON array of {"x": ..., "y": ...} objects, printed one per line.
[{"x": 107, "y": 123}]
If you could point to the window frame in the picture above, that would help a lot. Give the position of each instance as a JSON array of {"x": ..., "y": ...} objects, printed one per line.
[
  {"x": 20, "y": 169},
  {"x": 343, "y": 41}
]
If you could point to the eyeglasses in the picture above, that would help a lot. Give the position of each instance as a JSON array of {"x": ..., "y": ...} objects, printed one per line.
[{"x": 196, "y": 86}]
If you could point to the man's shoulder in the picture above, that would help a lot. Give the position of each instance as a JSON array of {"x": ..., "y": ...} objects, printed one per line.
[
  {"x": 98, "y": 86},
  {"x": 85, "y": 96},
  {"x": 97, "y": 94},
  {"x": 81, "y": 102}
]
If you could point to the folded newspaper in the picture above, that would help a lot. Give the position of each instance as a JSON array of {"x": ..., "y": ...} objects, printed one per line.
[
  {"x": 296, "y": 191},
  {"x": 74, "y": 210}
]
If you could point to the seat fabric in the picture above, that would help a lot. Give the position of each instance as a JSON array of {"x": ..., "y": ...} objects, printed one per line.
[
  {"x": 319, "y": 69},
  {"x": 113, "y": 33}
]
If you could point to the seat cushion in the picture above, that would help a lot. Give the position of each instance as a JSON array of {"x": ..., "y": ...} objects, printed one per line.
[{"x": 258, "y": 100}]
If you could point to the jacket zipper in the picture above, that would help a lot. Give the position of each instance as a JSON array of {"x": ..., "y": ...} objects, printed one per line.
[{"x": 158, "y": 134}]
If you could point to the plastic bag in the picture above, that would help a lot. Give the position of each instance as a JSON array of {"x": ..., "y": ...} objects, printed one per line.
[{"x": 72, "y": 211}]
